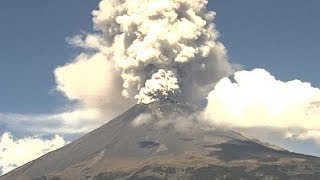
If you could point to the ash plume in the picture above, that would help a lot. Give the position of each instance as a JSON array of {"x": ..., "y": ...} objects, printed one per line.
[
  {"x": 155, "y": 49},
  {"x": 143, "y": 51}
]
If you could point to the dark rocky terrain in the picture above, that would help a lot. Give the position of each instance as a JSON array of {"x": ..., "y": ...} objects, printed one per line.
[{"x": 171, "y": 145}]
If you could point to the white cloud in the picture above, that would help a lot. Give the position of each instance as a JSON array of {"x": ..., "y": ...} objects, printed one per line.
[
  {"x": 76, "y": 121},
  {"x": 16, "y": 152},
  {"x": 257, "y": 99},
  {"x": 304, "y": 135}
]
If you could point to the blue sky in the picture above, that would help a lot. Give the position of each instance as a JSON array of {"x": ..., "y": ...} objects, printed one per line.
[
  {"x": 280, "y": 36},
  {"x": 32, "y": 44}
]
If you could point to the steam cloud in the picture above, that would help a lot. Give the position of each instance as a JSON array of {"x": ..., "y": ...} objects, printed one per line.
[{"x": 145, "y": 51}]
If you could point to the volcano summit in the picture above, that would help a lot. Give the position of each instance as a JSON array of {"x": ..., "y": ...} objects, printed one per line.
[
  {"x": 145, "y": 143},
  {"x": 161, "y": 60}
]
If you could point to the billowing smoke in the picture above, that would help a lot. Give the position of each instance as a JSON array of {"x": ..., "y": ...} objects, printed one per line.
[
  {"x": 145, "y": 51},
  {"x": 92, "y": 81},
  {"x": 161, "y": 85},
  {"x": 142, "y": 51}
]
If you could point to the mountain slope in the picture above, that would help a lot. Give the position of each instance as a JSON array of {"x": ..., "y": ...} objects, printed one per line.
[{"x": 146, "y": 142}]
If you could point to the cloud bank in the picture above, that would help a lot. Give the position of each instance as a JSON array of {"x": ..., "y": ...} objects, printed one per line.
[
  {"x": 77, "y": 121},
  {"x": 14, "y": 153},
  {"x": 256, "y": 99}
]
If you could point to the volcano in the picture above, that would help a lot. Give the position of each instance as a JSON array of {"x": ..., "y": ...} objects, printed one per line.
[{"x": 146, "y": 142}]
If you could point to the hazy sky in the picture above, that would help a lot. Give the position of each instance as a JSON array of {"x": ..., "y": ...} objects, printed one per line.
[{"x": 279, "y": 36}]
